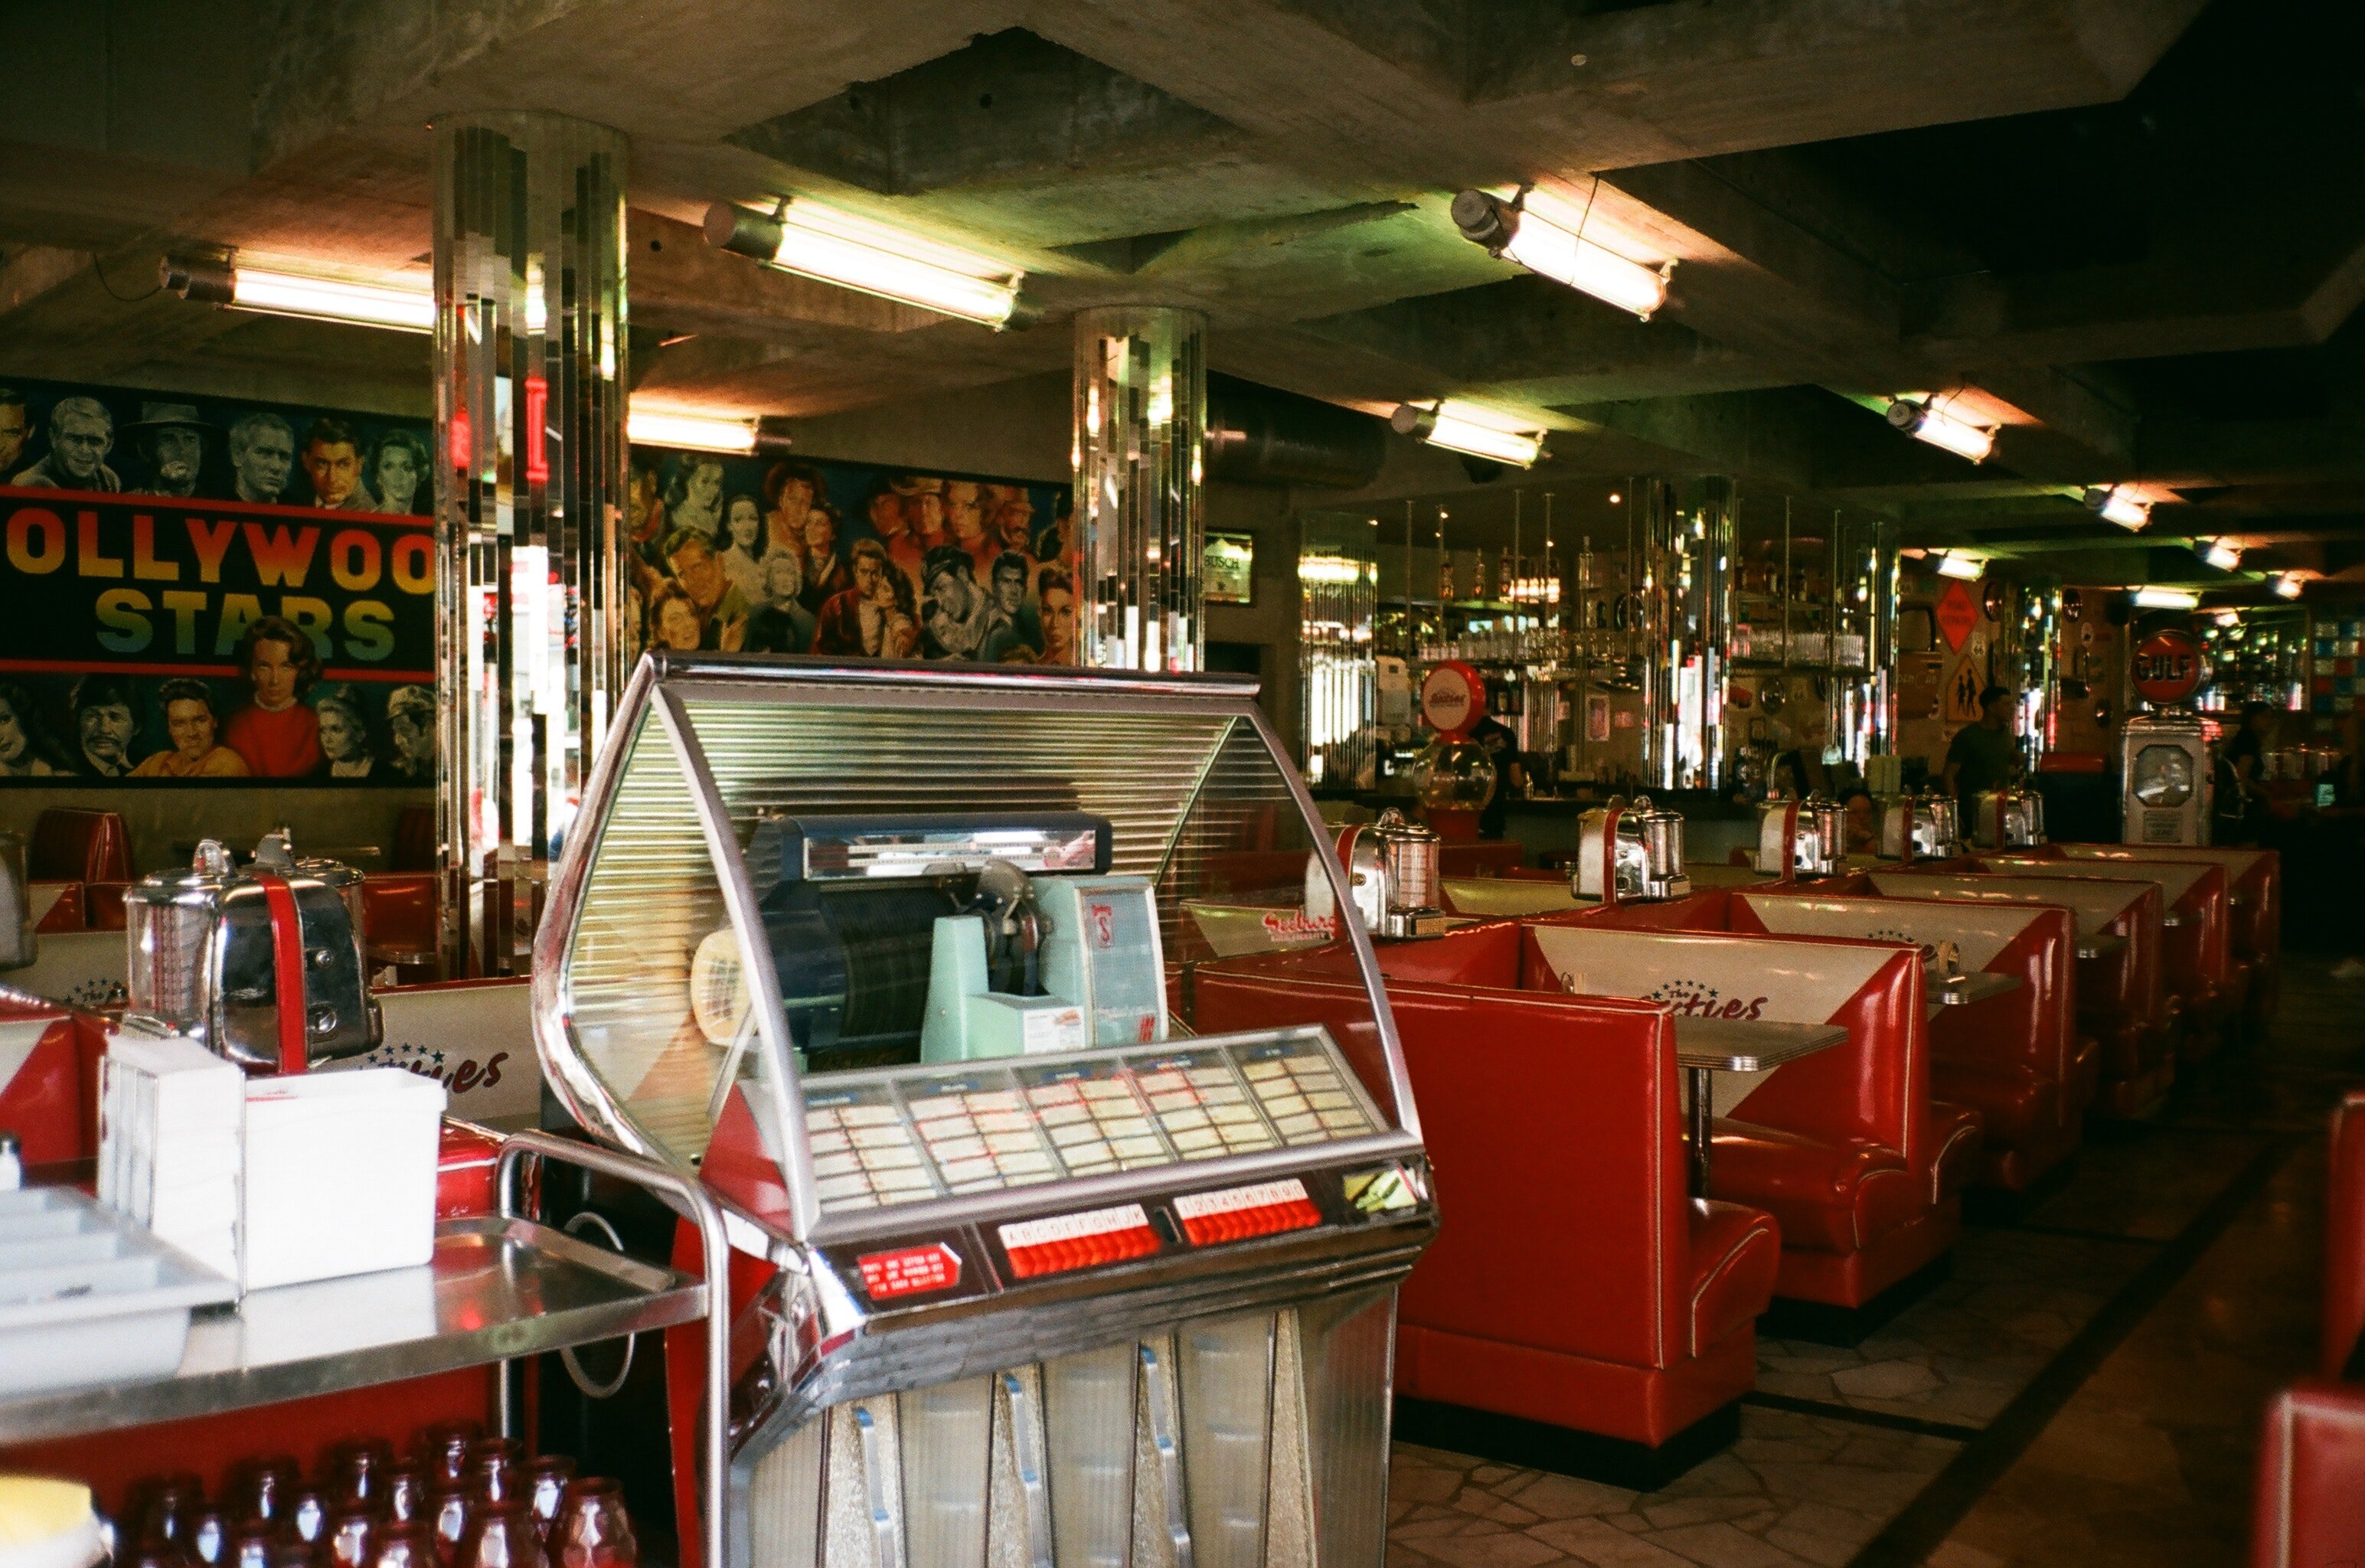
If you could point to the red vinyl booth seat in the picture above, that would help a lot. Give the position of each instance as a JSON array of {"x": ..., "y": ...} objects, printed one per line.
[
  {"x": 1843, "y": 1148},
  {"x": 2008, "y": 1063},
  {"x": 67, "y": 906},
  {"x": 2254, "y": 899},
  {"x": 398, "y": 912},
  {"x": 2344, "y": 1236},
  {"x": 2311, "y": 1498},
  {"x": 2197, "y": 966},
  {"x": 1575, "y": 1282},
  {"x": 71, "y": 845},
  {"x": 2121, "y": 1005}
]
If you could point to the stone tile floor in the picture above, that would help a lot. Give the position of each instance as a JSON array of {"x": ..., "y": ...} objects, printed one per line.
[
  {"x": 1794, "y": 1489},
  {"x": 2146, "y": 1462}
]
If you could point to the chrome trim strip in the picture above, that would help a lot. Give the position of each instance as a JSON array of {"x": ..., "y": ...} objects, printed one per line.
[
  {"x": 580, "y": 1090},
  {"x": 787, "y": 1094},
  {"x": 1026, "y": 1448},
  {"x": 673, "y": 667}
]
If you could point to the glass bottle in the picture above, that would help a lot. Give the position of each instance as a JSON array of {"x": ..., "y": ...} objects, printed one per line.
[
  {"x": 266, "y": 1486},
  {"x": 444, "y": 1448},
  {"x": 403, "y": 1497},
  {"x": 450, "y": 1509},
  {"x": 546, "y": 1483},
  {"x": 496, "y": 1469},
  {"x": 406, "y": 1546},
  {"x": 351, "y": 1536},
  {"x": 501, "y": 1536},
  {"x": 593, "y": 1531}
]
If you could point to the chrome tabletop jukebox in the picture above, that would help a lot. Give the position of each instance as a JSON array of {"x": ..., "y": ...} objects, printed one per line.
[{"x": 900, "y": 961}]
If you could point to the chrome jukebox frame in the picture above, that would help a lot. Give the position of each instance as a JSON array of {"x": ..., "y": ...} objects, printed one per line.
[{"x": 826, "y": 1348}]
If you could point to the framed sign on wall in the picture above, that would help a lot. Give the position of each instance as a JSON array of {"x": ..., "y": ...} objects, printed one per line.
[{"x": 1231, "y": 568}]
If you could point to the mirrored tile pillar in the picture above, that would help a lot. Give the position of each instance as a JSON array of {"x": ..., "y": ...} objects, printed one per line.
[
  {"x": 1140, "y": 422},
  {"x": 530, "y": 391}
]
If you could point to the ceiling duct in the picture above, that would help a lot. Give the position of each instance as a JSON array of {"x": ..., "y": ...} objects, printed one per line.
[{"x": 1260, "y": 435}]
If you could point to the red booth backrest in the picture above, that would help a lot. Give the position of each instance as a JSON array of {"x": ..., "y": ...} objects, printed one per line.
[
  {"x": 399, "y": 912},
  {"x": 2344, "y": 1235},
  {"x": 2196, "y": 892},
  {"x": 1489, "y": 857},
  {"x": 2310, "y": 1509},
  {"x": 71, "y": 845},
  {"x": 1876, "y": 1086},
  {"x": 2033, "y": 942},
  {"x": 2130, "y": 985},
  {"x": 2256, "y": 875},
  {"x": 1555, "y": 1132}
]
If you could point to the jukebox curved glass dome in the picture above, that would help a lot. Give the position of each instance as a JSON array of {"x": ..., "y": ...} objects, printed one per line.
[{"x": 1027, "y": 909}]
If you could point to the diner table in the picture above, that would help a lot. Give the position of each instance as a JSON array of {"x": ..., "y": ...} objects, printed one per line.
[
  {"x": 2101, "y": 944},
  {"x": 1961, "y": 990},
  {"x": 1707, "y": 1045}
]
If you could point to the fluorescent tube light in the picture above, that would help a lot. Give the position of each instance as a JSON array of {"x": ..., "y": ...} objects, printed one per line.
[
  {"x": 2287, "y": 585},
  {"x": 2223, "y": 555},
  {"x": 700, "y": 432},
  {"x": 820, "y": 242},
  {"x": 278, "y": 292},
  {"x": 1559, "y": 251},
  {"x": 2229, "y": 618},
  {"x": 2166, "y": 598},
  {"x": 1455, "y": 429},
  {"x": 1954, "y": 563},
  {"x": 1942, "y": 428},
  {"x": 2116, "y": 503}
]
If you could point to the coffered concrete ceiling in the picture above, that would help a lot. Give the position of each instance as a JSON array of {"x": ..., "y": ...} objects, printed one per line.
[{"x": 2136, "y": 228}]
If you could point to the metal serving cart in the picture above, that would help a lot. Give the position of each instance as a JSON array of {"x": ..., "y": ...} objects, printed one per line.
[{"x": 898, "y": 961}]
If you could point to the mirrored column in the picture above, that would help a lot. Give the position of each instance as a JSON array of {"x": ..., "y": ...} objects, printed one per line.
[
  {"x": 530, "y": 392},
  {"x": 1140, "y": 422}
]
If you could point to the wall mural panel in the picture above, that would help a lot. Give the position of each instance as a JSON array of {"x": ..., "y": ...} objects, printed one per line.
[
  {"x": 784, "y": 555},
  {"x": 202, "y": 591}
]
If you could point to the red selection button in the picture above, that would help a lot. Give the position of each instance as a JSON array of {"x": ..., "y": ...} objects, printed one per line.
[
  {"x": 1063, "y": 1242},
  {"x": 1237, "y": 1214},
  {"x": 910, "y": 1271}
]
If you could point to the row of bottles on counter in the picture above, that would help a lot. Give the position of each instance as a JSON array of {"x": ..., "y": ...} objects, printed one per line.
[{"x": 459, "y": 1499}]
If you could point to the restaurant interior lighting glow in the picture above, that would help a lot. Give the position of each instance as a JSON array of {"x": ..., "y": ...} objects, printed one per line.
[
  {"x": 2116, "y": 503},
  {"x": 1925, "y": 422},
  {"x": 833, "y": 247},
  {"x": 2287, "y": 585},
  {"x": 400, "y": 307},
  {"x": 1954, "y": 563},
  {"x": 2166, "y": 598},
  {"x": 1456, "y": 429},
  {"x": 700, "y": 432},
  {"x": 2223, "y": 555},
  {"x": 1559, "y": 249}
]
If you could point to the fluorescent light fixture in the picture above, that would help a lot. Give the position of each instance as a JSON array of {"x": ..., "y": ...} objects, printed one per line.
[
  {"x": 2116, "y": 503},
  {"x": 2287, "y": 585},
  {"x": 1333, "y": 569},
  {"x": 1924, "y": 422},
  {"x": 821, "y": 243},
  {"x": 2166, "y": 598},
  {"x": 1955, "y": 564},
  {"x": 700, "y": 432},
  {"x": 276, "y": 291},
  {"x": 2223, "y": 555},
  {"x": 1555, "y": 246},
  {"x": 1457, "y": 429},
  {"x": 2229, "y": 618}
]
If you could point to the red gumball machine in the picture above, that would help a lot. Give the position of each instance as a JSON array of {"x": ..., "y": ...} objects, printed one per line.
[{"x": 1454, "y": 776}]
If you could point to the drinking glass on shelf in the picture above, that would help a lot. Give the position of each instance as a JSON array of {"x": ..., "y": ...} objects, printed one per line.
[
  {"x": 444, "y": 1448},
  {"x": 308, "y": 1513},
  {"x": 264, "y": 1486},
  {"x": 496, "y": 1468},
  {"x": 501, "y": 1536},
  {"x": 351, "y": 1536},
  {"x": 353, "y": 1467},
  {"x": 206, "y": 1536},
  {"x": 593, "y": 1529},
  {"x": 451, "y": 1509},
  {"x": 546, "y": 1483},
  {"x": 407, "y": 1546},
  {"x": 251, "y": 1547},
  {"x": 161, "y": 1506}
]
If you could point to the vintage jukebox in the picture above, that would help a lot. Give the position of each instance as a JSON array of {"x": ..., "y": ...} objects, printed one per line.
[{"x": 899, "y": 960}]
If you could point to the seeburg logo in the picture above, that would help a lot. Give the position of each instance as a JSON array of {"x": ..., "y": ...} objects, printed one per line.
[{"x": 1693, "y": 999}]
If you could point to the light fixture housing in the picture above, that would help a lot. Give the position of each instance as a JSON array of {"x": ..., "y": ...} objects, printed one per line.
[
  {"x": 821, "y": 243},
  {"x": 706, "y": 433},
  {"x": 1955, "y": 564},
  {"x": 2223, "y": 555},
  {"x": 2116, "y": 503},
  {"x": 280, "y": 291},
  {"x": 2287, "y": 585},
  {"x": 1542, "y": 245},
  {"x": 2149, "y": 598},
  {"x": 1925, "y": 422},
  {"x": 1453, "y": 427}
]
